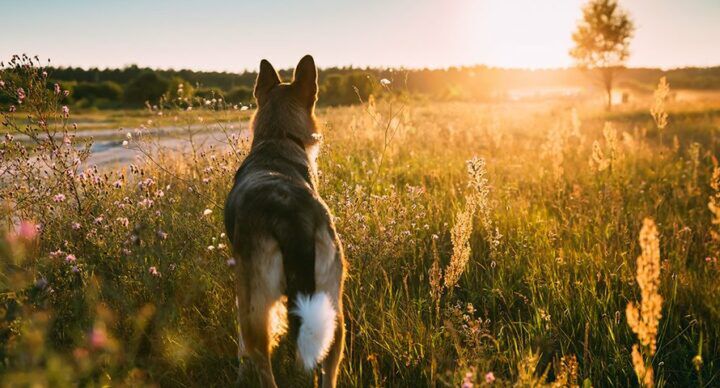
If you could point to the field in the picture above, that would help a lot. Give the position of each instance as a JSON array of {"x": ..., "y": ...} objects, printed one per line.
[{"x": 488, "y": 244}]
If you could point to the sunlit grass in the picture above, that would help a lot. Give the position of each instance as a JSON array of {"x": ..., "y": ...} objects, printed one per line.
[{"x": 538, "y": 293}]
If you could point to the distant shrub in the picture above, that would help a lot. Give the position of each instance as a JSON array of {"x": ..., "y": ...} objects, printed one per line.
[
  {"x": 148, "y": 86},
  {"x": 208, "y": 93},
  {"x": 240, "y": 94}
]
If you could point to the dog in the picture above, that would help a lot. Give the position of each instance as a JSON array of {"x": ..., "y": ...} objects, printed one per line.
[{"x": 282, "y": 233}]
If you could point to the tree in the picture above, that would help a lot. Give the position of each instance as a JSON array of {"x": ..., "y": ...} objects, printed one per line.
[
  {"x": 602, "y": 41},
  {"x": 147, "y": 87}
]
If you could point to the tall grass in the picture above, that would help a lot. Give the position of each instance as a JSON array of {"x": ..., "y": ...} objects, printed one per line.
[{"x": 119, "y": 275}]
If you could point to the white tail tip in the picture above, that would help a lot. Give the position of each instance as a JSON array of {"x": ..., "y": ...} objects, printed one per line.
[{"x": 317, "y": 327}]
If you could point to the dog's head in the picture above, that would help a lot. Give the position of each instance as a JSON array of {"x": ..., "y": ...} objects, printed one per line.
[{"x": 286, "y": 109}]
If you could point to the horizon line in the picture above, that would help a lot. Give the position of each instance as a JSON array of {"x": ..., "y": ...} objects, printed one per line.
[{"x": 382, "y": 67}]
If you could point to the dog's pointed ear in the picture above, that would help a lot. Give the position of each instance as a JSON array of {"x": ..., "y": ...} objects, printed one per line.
[
  {"x": 267, "y": 79},
  {"x": 305, "y": 80}
]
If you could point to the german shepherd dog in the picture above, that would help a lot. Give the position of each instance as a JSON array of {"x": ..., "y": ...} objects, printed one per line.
[{"x": 282, "y": 233}]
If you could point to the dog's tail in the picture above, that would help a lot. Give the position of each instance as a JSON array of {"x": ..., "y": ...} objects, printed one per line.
[{"x": 312, "y": 317}]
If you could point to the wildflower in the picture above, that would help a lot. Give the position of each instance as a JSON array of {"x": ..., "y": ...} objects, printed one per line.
[
  {"x": 146, "y": 203},
  {"x": 230, "y": 262},
  {"x": 207, "y": 212},
  {"x": 20, "y": 95},
  {"x": 66, "y": 93},
  {"x": 125, "y": 143},
  {"x": 697, "y": 362},
  {"x": 98, "y": 336},
  {"x": 153, "y": 271},
  {"x": 221, "y": 246},
  {"x": 2, "y": 83},
  {"x": 75, "y": 269},
  {"x": 41, "y": 283},
  {"x": 75, "y": 225},
  {"x": 57, "y": 89},
  {"x": 162, "y": 235},
  {"x": 222, "y": 235},
  {"x": 56, "y": 254},
  {"x": 27, "y": 230},
  {"x": 123, "y": 221},
  {"x": 59, "y": 197},
  {"x": 44, "y": 74},
  {"x": 99, "y": 220},
  {"x": 385, "y": 81},
  {"x": 65, "y": 111},
  {"x": 489, "y": 377},
  {"x": 468, "y": 380},
  {"x": 244, "y": 107},
  {"x": 70, "y": 258},
  {"x": 12, "y": 108}
]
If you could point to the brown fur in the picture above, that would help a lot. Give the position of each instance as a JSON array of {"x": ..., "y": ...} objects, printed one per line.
[{"x": 281, "y": 231}]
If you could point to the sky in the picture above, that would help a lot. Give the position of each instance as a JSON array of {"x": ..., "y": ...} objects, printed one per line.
[{"x": 233, "y": 35}]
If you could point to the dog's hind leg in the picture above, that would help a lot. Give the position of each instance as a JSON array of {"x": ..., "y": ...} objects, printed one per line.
[
  {"x": 329, "y": 277},
  {"x": 259, "y": 288}
]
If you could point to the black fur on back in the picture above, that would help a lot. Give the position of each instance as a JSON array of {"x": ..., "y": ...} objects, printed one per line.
[{"x": 273, "y": 195}]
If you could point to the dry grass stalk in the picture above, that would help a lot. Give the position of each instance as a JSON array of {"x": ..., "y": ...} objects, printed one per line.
[
  {"x": 658, "y": 111},
  {"x": 462, "y": 230},
  {"x": 644, "y": 321}
]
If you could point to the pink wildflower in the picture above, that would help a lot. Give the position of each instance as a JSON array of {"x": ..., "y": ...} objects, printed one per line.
[
  {"x": 153, "y": 271},
  {"x": 27, "y": 230},
  {"x": 59, "y": 197},
  {"x": 468, "y": 380},
  {"x": 230, "y": 262},
  {"x": 70, "y": 258},
  {"x": 56, "y": 254},
  {"x": 98, "y": 337},
  {"x": 57, "y": 89},
  {"x": 21, "y": 95},
  {"x": 489, "y": 377},
  {"x": 75, "y": 225},
  {"x": 65, "y": 111}
]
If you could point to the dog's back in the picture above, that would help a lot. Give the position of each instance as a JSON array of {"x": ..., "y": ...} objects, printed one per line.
[{"x": 282, "y": 232}]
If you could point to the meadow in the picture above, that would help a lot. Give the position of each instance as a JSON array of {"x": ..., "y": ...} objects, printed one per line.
[{"x": 488, "y": 244}]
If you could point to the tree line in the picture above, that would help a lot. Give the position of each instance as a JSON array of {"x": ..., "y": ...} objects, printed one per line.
[{"x": 133, "y": 86}]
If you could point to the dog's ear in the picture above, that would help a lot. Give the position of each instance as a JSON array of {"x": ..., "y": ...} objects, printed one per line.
[
  {"x": 267, "y": 79},
  {"x": 305, "y": 80}
]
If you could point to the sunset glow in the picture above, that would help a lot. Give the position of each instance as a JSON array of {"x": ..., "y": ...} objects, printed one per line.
[{"x": 224, "y": 35}]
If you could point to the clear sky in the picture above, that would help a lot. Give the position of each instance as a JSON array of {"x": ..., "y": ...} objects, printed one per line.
[{"x": 234, "y": 35}]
